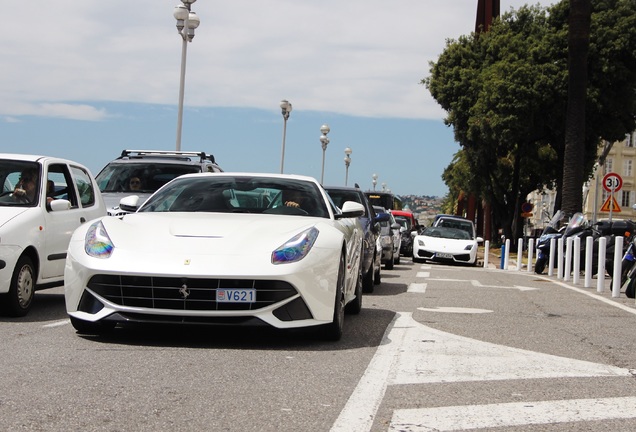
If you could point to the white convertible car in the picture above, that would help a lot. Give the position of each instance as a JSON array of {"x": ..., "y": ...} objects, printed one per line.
[{"x": 220, "y": 248}]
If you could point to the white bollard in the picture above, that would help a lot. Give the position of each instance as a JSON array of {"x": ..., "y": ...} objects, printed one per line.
[
  {"x": 618, "y": 259},
  {"x": 519, "y": 253},
  {"x": 530, "y": 252},
  {"x": 551, "y": 257},
  {"x": 567, "y": 268},
  {"x": 560, "y": 258},
  {"x": 486, "y": 252},
  {"x": 576, "y": 254},
  {"x": 507, "y": 254},
  {"x": 600, "y": 276},
  {"x": 589, "y": 246}
]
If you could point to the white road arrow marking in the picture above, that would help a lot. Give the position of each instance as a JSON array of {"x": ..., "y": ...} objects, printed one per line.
[
  {"x": 411, "y": 353},
  {"x": 478, "y": 284}
]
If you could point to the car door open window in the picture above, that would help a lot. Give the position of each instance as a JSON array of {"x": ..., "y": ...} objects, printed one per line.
[{"x": 84, "y": 186}]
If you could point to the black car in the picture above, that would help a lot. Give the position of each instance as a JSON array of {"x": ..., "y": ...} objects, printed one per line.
[{"x": 371, "y": 225}]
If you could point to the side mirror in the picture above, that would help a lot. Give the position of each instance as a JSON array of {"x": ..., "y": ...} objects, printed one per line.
[
  {"x": 396, "y": 226},
  {"x": 350, "y": 209},
  {"x": 479, "y": 240},
  {"x": 59, "y": 205},
  {"x": 129, "y": 203}
]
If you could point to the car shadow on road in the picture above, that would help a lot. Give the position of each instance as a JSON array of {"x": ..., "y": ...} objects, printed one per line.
[
  {"x": 46, "y": 306},
  {"x": 363, "y": 330}
]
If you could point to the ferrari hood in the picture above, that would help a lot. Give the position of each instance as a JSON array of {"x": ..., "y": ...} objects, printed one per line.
[{"x": 206, "y": 232}]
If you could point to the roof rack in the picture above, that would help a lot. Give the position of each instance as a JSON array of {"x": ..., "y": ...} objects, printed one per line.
[{"x": 202, "y": 155}]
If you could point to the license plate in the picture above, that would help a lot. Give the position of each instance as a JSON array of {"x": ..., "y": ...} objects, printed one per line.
[
  {"x": 444, "y": 255},
  {"x": 235, "y": 295}
]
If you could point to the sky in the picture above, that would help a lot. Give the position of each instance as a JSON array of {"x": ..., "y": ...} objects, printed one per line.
[{"x": 84, "y": 80}]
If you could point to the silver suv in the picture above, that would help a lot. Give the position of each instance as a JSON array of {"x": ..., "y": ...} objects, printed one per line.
[{"x": 140, "y": 173}]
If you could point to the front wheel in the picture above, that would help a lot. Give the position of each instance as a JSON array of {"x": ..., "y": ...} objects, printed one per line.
[
  {"x": 539, "y": 266},
  {"x": 333, "y": 330},
  {"x": 20, "y": 296}
]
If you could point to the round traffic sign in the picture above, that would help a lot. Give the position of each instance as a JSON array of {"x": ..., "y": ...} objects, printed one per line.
[{"x": 612, "y": 182}]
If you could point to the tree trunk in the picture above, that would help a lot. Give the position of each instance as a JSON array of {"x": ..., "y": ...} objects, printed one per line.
[{"x": 574, "y": 155}]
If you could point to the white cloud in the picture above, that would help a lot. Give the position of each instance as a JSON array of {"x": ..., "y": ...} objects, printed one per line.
[{"x": 359, "y": 57}]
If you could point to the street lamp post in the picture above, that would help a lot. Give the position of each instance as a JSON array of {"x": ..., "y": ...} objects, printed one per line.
[
  {"x": 347, "y": 161},
  {"x": 375, "y": 180},
  {"x": 286, "y": 108},
  {"x": 187, "y": 21},
  {"x": 324, "y": 129}
]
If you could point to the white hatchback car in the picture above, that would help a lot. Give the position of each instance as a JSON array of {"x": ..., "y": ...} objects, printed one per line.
[{"x": 42, "y": 201}]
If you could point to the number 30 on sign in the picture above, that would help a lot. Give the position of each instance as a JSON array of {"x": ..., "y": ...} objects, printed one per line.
[{"x": 612, "y": 182}]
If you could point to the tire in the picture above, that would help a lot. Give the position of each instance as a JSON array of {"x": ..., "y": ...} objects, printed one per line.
[
  {"x": 355, "y": 306},
  {"x": 630, "y": 289},
  {"x": 333, "y": 330},
  {"x": 368, "y": 280},
  {"x": 539, "y": 266},
  {"x": 389, "y": 263},
  {"x": 397, "y": 259},
  {"x": 377, "y": 276},
  {"x": 18, "y": 300},
  {"x": 91, "y": 328}
]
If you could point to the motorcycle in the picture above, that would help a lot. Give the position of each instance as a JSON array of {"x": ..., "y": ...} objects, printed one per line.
[
  {"x": 576, "y": 227},
  {"x": 551, "y": 231}
]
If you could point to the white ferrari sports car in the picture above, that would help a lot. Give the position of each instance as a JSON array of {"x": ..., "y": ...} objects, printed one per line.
[
  {"x": 220, "y": 248},
  {"x": 451, "y": 239}
]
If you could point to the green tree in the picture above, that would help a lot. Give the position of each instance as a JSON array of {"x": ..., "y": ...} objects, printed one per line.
[{"x": 505, "y": 94}]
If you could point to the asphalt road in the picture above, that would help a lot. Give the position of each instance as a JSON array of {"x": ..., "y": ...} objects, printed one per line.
[{"x": 435, "y": 347}]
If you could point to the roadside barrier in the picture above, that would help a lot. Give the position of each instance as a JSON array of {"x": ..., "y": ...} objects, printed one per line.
[{"x": 566, "y": 258}]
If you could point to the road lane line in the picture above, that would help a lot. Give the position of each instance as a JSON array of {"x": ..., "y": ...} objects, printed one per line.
[
  {"x": 417, "y": 288},
  {"x": 362, "y": 406},
  {"x": 57, "y": 323},
  {"x": 423, "y": 274},
  {"x": 512, "y": 414}
]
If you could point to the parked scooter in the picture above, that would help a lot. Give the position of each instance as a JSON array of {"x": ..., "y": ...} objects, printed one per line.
[
  {"x": 576, "y": 227},
  {"x": 551, "y": 231}
]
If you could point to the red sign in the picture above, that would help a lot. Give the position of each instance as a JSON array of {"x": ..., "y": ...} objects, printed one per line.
[{"x": 612, "y": 182}]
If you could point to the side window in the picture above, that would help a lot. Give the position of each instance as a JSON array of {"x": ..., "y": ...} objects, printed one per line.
[
  {"x": 84, "y": 186},
  {"x": 60, "y": 184}
]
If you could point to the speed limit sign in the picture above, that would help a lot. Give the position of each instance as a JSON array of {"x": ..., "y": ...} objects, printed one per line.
[{"x": 612, "y": 182}]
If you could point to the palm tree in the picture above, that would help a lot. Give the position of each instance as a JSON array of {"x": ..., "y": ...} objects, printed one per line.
[{"x": 578, "y": 47}]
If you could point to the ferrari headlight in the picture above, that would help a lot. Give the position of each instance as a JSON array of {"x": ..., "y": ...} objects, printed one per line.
[
  {"x": 420, "y": 242},
  {"x": 468, "y": 247},
  {"x": 97, "y": 243},
  {"x": 295, "y": 248}
]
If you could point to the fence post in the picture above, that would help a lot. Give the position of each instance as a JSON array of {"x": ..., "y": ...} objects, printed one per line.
[
  {"x": 507, "y": 254},
  {"x": 486, "y": 249},
  {"x": 560, "y": 258},
  {"x": 567, "y": 268},
  {"x": 589, "y": 245},
  {"x": 551, "y": 257},
  {"x": 576, "y": 270},
  {"x": 600, "y": 276},
  {"x": 618, "y": 259}
]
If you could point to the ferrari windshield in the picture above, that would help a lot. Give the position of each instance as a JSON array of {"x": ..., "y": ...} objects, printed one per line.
[{"x": 239, "y": 194}]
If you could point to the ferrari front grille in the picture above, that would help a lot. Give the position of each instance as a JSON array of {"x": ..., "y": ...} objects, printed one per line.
[{"x": 185, "y": 293}]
